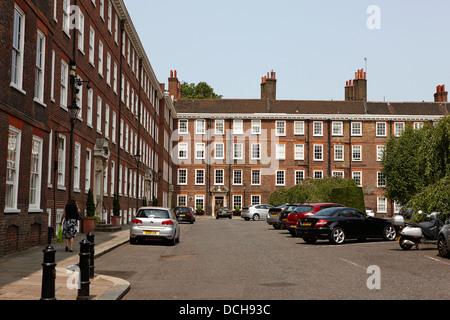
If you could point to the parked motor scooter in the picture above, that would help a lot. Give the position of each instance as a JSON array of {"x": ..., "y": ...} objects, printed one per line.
[{"x": 413, "y": 234}]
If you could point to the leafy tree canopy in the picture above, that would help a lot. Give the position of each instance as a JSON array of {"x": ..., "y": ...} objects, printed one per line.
[{"x": 197, "y": 91}]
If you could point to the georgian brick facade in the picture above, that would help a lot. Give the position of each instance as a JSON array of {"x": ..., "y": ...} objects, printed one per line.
[
  {"x": 124, "y": 112},
  {"x": 281, "y": 142}
]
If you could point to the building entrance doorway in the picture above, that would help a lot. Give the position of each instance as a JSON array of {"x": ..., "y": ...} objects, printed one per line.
[{"x": 219, "y": 202}]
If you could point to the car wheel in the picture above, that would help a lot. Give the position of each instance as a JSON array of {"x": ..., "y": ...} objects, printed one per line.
[
  {"x": 310, "y": 240},
  {"x": 337, "y": 235},
  {"x": 404, "y": 245},
  {"x": 389, "y": 233},
  {"x": 443, "y": 247},
  {"x": 292, "y": 232},
  {"x": 255, "y": 217},
  {"x": 276, "y": 226},
  {"x": 132, "y": 241}
]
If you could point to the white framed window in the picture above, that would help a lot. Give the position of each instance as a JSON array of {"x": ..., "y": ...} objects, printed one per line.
[
  {"x": 87, "y": 179},
  {"x": 238, "y": 126},
  {"x": 280, "y": 128},
  {"x": 256, "y": 126},
  {"x": 40, "y": 67},
  {"x": 381, "y": 205},
  {"x": 318, "y": 152},
  {"x": 110, "y": 16},
  {"x": 256, "y": 151},
  {"x": 52, "y": 80},
  {"x": 199, "y": 201},
  {"x": 381, "y": 180},
  {"x": 337, "y": 128},
  {"x": 200, "y": 177},
  {"x": 299, "y": 152},
  {"x": 90, "y": 104},
  {"x": 91, "y": 45},
  {"x": 238, "y": 151},
  {"x": 237, "y": 177},
  {"x": 12, "y": 168},
  {"x": 338, "y": 174},
  {"x": 317, "y": 128},
  {"x": 280, "y": 178},
  {"x": 380, "y": 152},
  {"x": 256, "y": 199},
  {"x": 120, "y": 179},
  {"x": 61, "y": 161},
  {"x": 299, "y": 176},
  {"x": 417, "y": 125},
  {"x": 36, "y": 173},
  {"x": 64, "y": 84},
  {"x": 181, "y": 200},
  {"x": 219, "y": 127},
  {"x": 381, "y": 129},
  {"x": 256, "y": 177},
  {"x": 106, "y": 121},
  {"x": 357, "y": 176},
  {"x": 66, "y": 16},
  {"x": 18, "y": 47},
  {"x": 79, "y": 100},
  {"x": 280, "y": 151},
  {"x": 182, "y": 177},
  {"x": 318, "y": 174},
  {"x": 237, "y": 201},
  {"x": 339, "y": 152},
  {"x": 76, "y": 167},
  {"x": 356, "y": 128},
  {"x": 200, "y": 126},
  {"x": 108, "y": 69},
  {"x": 357, "y": 153},
  {"x": 299, "y": 128},
  {"x": 399, "y": 127},
  {"x": 182, "y": 150},
  {"x": 115, "y": 78},
  {"x": 113, "y": 173},
  {"x": 182, "y": 126},
  {"x": 102, "y": 9},
  {"x": 218, "y": 176},
  {"x": 81, "y": 31},
  {"x": 219, "y": 151},
  {"x": 199, "y": 151},
  {"x": 113, "y": 127},
  {"x": 99, "y": 114}
]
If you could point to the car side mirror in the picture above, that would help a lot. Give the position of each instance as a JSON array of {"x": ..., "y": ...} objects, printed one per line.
[{"x": 447, "y": 222}]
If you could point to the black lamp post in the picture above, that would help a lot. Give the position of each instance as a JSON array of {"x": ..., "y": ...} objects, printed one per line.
[
  {"x": 73, "y": 114},
  {"x": 138, "y": 158}
]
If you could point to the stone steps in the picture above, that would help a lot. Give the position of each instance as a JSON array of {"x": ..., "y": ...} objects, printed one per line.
[{"x": 102, "y": 226}]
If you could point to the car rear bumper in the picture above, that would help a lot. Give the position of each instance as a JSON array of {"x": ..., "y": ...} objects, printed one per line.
[
  {"x": 223, "y": 215},
  {"x": 141, "y": 232},
  {"x": 189, "y": 218},
  {"x": 319, "y": 233}
]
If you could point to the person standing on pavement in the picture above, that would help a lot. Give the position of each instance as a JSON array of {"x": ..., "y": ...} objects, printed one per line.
[{"x": 70, "y": 217}]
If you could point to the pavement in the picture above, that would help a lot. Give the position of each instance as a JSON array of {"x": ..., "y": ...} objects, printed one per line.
[{"x": 21, "y": 272}]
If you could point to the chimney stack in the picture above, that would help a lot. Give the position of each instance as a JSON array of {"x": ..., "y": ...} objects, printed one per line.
[
  {"x": 174, "y": 86},
  {"x": 269, "y": 86},
  {"x": 440, "y": 95},
  {"x": 356, "y": 90}
]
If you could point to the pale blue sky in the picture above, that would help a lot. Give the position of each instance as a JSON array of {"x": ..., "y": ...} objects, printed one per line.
[{"x": 313, "y": 46}]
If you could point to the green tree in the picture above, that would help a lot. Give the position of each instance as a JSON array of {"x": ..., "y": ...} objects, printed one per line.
[
  {"x": 90, "y": 205},
  {"x": 198, "y": 91}
]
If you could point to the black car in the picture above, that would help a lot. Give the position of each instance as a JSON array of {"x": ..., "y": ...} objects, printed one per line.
[
  {"x": 185, "y": 214},
  {"x": 341, "y": 223},
  {"x": 284, "y": 214},
  {"x": 223, "y": 212}
]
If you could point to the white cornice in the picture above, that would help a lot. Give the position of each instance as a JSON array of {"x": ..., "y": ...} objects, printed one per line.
[{"x": 336, "y": 117}]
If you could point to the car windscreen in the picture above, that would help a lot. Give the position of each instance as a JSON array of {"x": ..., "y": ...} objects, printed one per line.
[
  {"x": 183, "y": 209},
  {"x": 153, "y": 213},
  {"x": 330, "y": 212},
  {"x": 303, "y": 209}
]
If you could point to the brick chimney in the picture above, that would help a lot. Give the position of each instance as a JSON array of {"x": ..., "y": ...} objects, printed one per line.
[
  {"x": 356, "y": 90},
  {"x": 440, "y": 95},
  {"x": 269, "y": 86},
  {"x": 174, "y": 86}
]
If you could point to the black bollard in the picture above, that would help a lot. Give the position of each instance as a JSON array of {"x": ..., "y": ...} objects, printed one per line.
[
  {"x": 50, "y": 235},
  {"x": 83, "y": 291},
  {"x": 90, "y": 237},
  {"x": 48, "y": 274}
]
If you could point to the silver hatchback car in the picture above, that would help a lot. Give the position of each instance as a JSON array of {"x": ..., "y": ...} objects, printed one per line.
[
  {"x": 256, "y": 212},
  {"x": 155, "y": 223}
]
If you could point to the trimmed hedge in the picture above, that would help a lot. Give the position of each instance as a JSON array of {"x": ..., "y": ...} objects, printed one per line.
[{"x": 350, "y": 197}]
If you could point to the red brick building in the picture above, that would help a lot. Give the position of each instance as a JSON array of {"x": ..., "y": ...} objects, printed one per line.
[
  {"x": 56, "y": 54},
  {"x": 237, "y": 152}
]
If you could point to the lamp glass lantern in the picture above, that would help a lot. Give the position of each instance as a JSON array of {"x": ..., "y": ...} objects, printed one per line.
[{"x": 74, "y": 109}]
